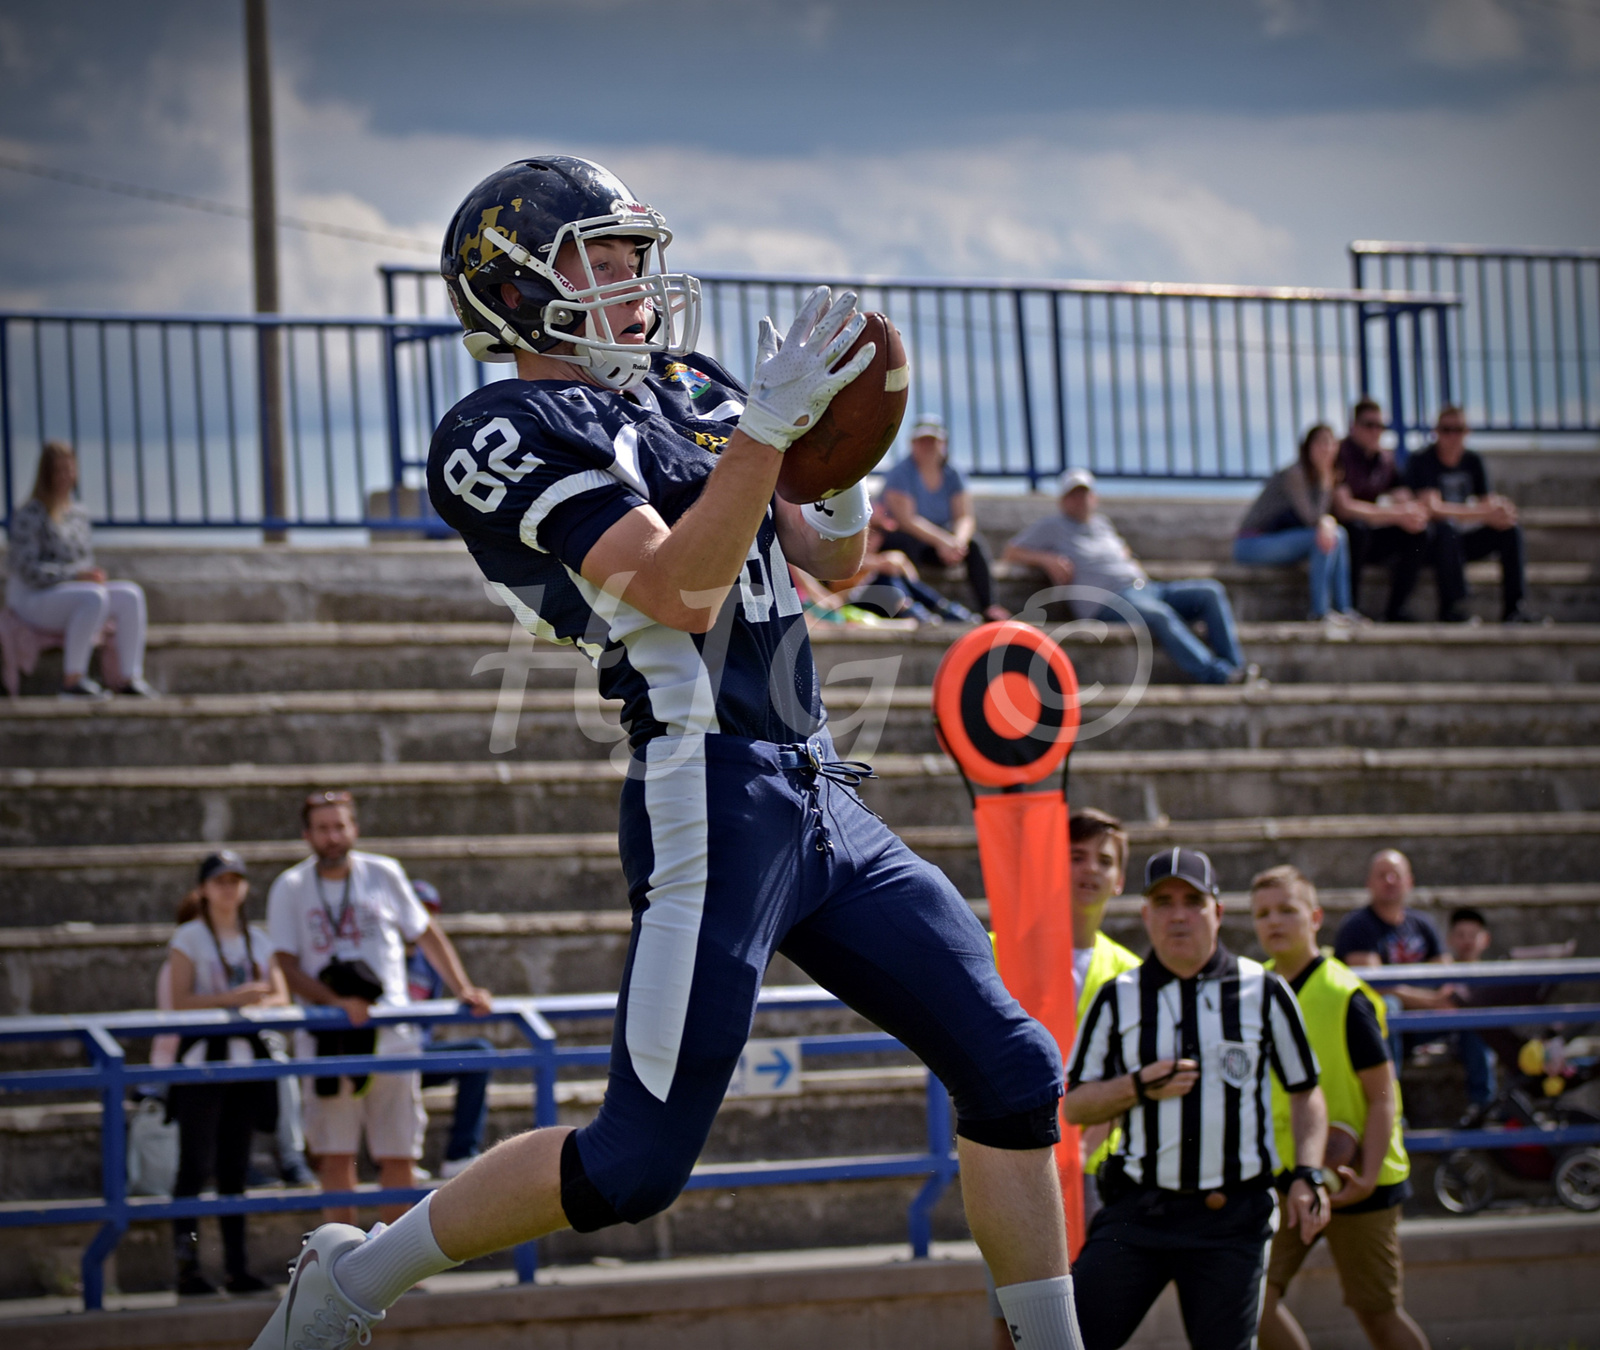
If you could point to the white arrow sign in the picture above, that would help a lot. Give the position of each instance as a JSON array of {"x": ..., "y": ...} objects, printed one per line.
[{"x": 767, "y": 1069}]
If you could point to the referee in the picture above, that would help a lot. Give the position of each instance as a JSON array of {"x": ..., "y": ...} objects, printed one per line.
[{"x": 1180, "y": 1047}]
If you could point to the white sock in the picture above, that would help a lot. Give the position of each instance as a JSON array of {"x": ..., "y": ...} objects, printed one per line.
[
  {"x": 1041, "y": 1315},
  {"x": 391, "y": 1260}
]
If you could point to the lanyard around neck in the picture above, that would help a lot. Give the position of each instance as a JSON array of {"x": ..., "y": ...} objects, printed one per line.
[
  {"x": 337, "y": 925},
  {"x": 249, "y": 951}
]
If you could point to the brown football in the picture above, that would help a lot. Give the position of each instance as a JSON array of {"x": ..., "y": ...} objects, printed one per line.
[
  {"x": 859, "y": 425},
  {"x": 1343, "y": 1150}
]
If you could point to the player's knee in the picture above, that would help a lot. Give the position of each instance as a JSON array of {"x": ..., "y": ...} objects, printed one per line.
[
  {"x": 1017, "y": 1105},
  {"x": 588, "y": 1209},
  {"x": 1037, "y": 1127}
]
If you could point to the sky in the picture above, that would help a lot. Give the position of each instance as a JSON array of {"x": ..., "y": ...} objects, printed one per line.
[{"x": 1164, "y": 140}]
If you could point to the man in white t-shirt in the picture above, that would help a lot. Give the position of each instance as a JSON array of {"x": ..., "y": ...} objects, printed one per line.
[
  {"x": 347, "y": 906},
  {"x": 1079, "y": 546}
]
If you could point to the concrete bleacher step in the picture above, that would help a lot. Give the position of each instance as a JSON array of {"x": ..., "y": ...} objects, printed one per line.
[
  {"x": 244, "y": 801},
  {"x": 1196, "y": 528},
  {"x": 1493, "y": 1282},
  {"x": 419, "y": 725},
  {"x": 436, "y": 581},
  {"x": 67, "y": 968},
  {"x": 1564, "y": 592},
  {"x": 283, "y": 658},
  {"x": 123, "y": 883}
]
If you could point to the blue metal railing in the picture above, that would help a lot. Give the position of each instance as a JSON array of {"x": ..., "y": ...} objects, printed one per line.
[
  {"x": 111, "y": 1076},
  {"x": 1524, "y": 345},
  {"x": 166, "y": 414},
  {"x": 1529, "y": 975},
  {"x": 1130, "y": 379}
]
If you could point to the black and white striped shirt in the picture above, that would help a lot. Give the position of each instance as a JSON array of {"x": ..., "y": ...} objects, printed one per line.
[{"x": 1234, "y": 1018}]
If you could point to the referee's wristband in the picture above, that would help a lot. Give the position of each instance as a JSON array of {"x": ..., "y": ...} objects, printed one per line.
[{"x": 1141, "y": 1094}]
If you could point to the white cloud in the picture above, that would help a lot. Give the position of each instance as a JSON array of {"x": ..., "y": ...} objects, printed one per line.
[
  {"x": 1208, "y": 235},
  {"x": 1019, "y": 208},
  {"x": 1159, "y": 196},
  {"x": 1467, "y": 33},
  {"x": 1281, "y": 18}
]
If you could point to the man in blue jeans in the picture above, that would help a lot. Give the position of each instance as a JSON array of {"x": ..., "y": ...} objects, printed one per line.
[
  {"x": 1080, "y": 547},
  {"x": 472, "y": 1089}
]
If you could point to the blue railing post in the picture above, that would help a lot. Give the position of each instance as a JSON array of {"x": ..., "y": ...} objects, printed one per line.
[
  {"x": 391, "y": 407},
  {"x": 269, "y": 415},
  {"x": 1397, "y": 386},
  {"x": 108, "y": 1057},
  {"x": 1441, "y": 328},
  {"x": 546, "y": 1112},
  {"x": 919, "y": 1219},
  {"x": 1025, "y": 387},
  {"x": 5, "y": 413}
]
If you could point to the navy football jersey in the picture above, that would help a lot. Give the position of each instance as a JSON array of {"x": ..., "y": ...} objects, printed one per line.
[{"x": 533, "y": 472}]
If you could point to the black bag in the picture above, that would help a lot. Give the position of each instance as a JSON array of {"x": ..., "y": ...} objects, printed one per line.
[{"x": 348, "y": 979}]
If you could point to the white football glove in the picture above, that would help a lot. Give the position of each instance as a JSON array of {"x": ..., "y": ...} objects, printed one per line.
[
  {"x": 840, "y": 516},
  {"x": 793, "y": 381}
]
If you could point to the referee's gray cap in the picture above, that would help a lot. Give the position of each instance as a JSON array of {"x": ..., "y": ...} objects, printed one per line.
[{"x": 1187, "y": 864}]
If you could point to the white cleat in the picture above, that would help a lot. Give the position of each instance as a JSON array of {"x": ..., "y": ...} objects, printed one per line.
[{"x": 315, "y": 1314}]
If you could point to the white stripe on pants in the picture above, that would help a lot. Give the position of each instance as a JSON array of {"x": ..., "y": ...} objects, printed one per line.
[{"x": 78, "y": 609}]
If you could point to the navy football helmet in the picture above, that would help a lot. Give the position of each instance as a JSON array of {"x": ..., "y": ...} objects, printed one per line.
[{"x": 512, "y": 226}]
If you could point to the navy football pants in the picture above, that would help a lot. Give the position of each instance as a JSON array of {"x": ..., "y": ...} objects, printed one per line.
[{"x": 735, "y": 849}]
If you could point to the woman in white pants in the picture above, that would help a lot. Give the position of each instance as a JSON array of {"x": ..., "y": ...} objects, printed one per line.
[{"x": 54, "y": 584}]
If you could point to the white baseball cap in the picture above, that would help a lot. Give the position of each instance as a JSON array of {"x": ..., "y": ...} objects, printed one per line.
[
  {"x": 928, "y": 424},
  {"x": 1074, "y": 478}
]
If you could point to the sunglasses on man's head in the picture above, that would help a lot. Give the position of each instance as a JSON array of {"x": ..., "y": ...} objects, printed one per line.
[
  {"x": 1452, "y": 429},
  {"x": 1371, "y": 422},
  {"x": 317, "y": 799}
]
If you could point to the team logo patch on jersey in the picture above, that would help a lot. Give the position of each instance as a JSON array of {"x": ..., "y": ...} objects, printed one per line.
[
  {"x": 1235, "y": 1062},
  {"x": 693, "y": 381}
]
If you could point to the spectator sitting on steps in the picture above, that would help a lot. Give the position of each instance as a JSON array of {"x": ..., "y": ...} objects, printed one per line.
[
  {"x": 1381, "y": 516},
  {"x": 1080, "y": 547},
  {"x": 1291, "y": 521},
  {"x": 1452, "y": 482},
  {"x": 889, "y": 584},
  {"x": 54, "y": 584},
  {"x": 932, "y": 509}
]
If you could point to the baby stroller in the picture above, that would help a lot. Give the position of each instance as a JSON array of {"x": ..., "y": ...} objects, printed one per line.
[{"x": 1556, "y": 1085}]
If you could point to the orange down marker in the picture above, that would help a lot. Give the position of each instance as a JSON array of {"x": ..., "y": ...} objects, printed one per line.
[{"x": 1005, "y": 704}]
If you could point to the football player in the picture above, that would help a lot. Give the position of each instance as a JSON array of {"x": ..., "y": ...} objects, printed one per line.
[{"x": 619, "y": 495}]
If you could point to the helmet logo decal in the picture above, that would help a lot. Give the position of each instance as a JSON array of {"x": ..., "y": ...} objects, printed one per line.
[{"x": 475, "y": 249}]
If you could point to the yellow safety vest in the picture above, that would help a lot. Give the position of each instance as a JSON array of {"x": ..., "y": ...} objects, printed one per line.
[
  {"x": 1325, "y": 1003},
  {"x": 1110, "y": 959}
]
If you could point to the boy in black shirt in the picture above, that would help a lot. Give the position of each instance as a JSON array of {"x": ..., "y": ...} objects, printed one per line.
[{"x": 1473, "y": 522}]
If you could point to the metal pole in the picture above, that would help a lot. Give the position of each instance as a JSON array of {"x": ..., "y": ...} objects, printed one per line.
[
  {"x": 106, "y": 1053},
  {"x": 5, "y": 419},
  {"x": 1397, "y": 393},
  {"x": 264, "y": 247}
]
